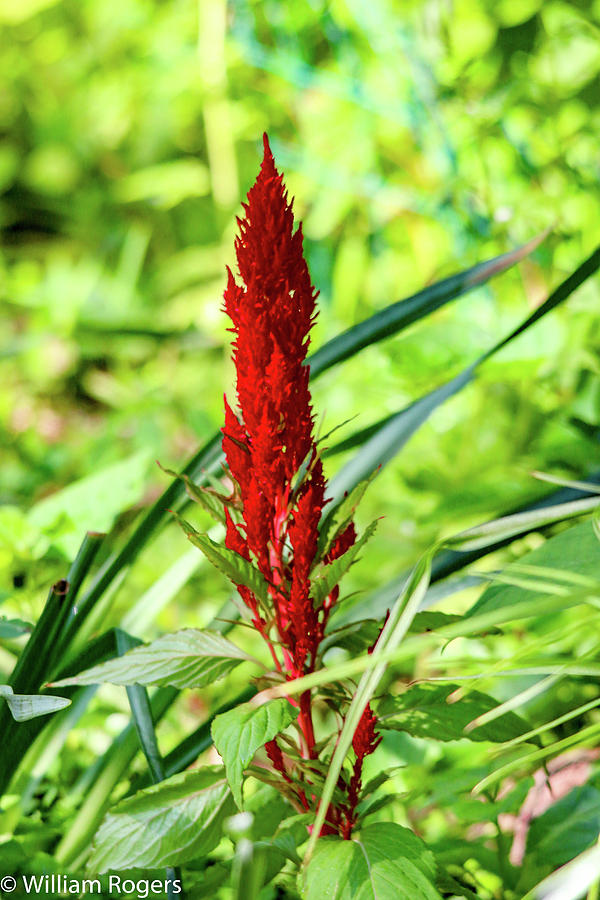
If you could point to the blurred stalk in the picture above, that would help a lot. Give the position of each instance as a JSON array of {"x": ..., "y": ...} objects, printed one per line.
[{"x": 212, "y": 18}]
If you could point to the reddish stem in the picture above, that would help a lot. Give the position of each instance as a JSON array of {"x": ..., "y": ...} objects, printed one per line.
[{"x": 306, "y": 724}]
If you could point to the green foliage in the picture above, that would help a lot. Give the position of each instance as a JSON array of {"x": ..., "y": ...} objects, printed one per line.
[
  {"x": 569, "y": 827},
  {"x": 181, "y": 819},
  {"x": 238, "y": 734},
  {"x": 444, "y": 713},
  {"x": 90, "y": 504},
  {"x": 231, "y": 564},
  {"x": 330, "y": 575},
  {"x": 384, "y": 862}
]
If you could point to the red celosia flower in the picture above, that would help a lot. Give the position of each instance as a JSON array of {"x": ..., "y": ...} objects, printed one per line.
[
  {"x": 272, "y": 456},
  {"x": 272, "y": 312}
]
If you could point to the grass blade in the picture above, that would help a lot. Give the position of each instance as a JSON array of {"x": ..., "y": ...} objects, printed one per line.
[
  {"x": 400, "y": 315},
  {"x": 141, "y": 713},
  {"x": 394, "y": 631},
  {"x": 385, "y": 443}
]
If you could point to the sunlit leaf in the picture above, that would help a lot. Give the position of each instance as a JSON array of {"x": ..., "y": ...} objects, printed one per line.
[
  {"x": 239, "y": 733},
  {"x": 188, "y": 658}
]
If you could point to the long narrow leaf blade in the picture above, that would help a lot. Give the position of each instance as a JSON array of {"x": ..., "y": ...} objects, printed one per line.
[
  {"x": 141, "y": 713},
  {"x": 400, "y": 315},
  {"x": 385, "y": 444},
  {"x": 382, "y": 446}
]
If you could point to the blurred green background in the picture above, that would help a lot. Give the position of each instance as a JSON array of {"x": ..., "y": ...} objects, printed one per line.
[{"x": 418, "y": 139}]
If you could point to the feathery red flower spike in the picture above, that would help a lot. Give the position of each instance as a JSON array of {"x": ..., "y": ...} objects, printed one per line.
[{"x": 271, "y": 451}]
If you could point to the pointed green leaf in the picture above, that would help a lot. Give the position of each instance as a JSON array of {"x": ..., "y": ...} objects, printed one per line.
[
  {"x": 235, "y": 567},
  {"x": 165, "y": 825},
  {"x": 356, "y": 637},
  {"x": 428, "y": 711},
  {"x": 383, "y": 862},
  {"x": 24, "y": 707},
  {"x": 13, "y": 628},
  {"x": 570, "y": 826},
  {"x": 333, "y": 524},
  {"x": 187, "y": 658},
  {"x": 331, "y": 574},
  {"x": 208, "y": 499},
  {"x": 239, "y": 733}
]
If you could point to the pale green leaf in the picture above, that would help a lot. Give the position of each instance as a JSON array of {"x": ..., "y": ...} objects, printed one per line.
[
  {"x": 184, "y": 659},
  {"x": 24, "y": 707},
  {"x": 90, "y": 504},
  {"x": 207, "y": 498}
]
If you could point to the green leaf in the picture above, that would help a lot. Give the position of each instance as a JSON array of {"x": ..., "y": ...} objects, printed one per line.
[
  {"x": 330, "y": 575},
  {"x": 239, "y": 733},
  {"x": 164, "y": 825},
  {"x": 234, "y": 566},
  {"x": 431, "y": 620},
  {"x": 428, "y": 711},
  {"x": 207, "y": 498},
  {"x": 403, "y": 313},
  {"x": 356, "y": 637},
  {"x": 141, "y": 713},
  {"x": 340, "y": 517},
  {"x": 24, "y": 707},
  {"x": 384, "y": 862},
  {"x": 13, "y": 628},
  {"x": 92, "y": 503},
  {"x": 576, "y": 550},
  {"x": 187, "y": 658}
]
